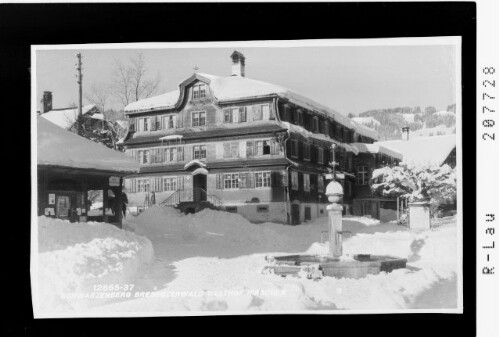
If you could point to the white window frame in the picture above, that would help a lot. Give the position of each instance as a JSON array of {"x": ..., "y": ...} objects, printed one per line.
[
  {"x": 166, "y": 121},
  {"x": 263, "y": 179},
  {"x": 144, "y": 154},
  {"x": 201, "y": 116},
  {"x": 166, "y": 158},
  {"x": 170, "y": 183},
  {"x": 144, "y": 124},
  {"x": 362, "y": 175},
  {"x": 142, "y": 184},
  {"x": 231, "y": 181},
  {"x": 231, "y": 145},
  {"x": 199, "y": 90},
  {"x": 198, "y": 151}
]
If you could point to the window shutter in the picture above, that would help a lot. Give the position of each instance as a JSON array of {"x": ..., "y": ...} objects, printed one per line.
[
  {"x": 266, "y": 114},
  {"x": 180, "y": 182},
  {"x": 284, "y": 178},
  {"x": 275, "y": 179},
  {"x": 242, "y": 149},
  {"x": 131, "y": 123},
  {"x": 180, "y": 153},
  {"x": 219, "y": 182},
  {"x": 242, "y": 114},
  {"x": 249, "y": 148},
  {"x": 226, "y": 112},
  {"x": 274, "y": 147},
  {"x": 219, "y": 147},
  {"x": 271, "y": 113},
  {"x": 251, "y": 180},
  {"x": 134, "y": 185}
]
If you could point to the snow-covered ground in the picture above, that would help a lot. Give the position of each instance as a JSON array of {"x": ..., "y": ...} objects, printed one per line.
[
  {"x": 213, "y": 261},
  {"x": 74, "y": 258}
]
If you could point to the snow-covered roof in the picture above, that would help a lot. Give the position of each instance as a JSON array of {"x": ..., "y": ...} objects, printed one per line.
[
  {"x": 423, "y": 150},
  {"x": 376, "y": 148},
  {"x": 232, "y": 88},
  {"x": 171, "y": 137},
  {"x": 65, "y": 118},
  {"x": 59, "y": 147}
]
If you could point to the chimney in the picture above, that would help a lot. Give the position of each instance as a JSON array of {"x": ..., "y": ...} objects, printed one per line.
[
  {"x": 405, "y": 133},
  {"x": 47, "y": 101},
  {"x": 237, "y": 63}
]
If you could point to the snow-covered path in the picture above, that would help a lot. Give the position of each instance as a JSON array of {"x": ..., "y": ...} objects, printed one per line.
[{"x": 213, "y": 261}]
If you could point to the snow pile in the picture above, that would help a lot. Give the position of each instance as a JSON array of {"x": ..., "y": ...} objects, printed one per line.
[
  {"x": 73, "y": 257},
  {"x": 438, "y": 130},
  {"x": 366, "y": 121}
]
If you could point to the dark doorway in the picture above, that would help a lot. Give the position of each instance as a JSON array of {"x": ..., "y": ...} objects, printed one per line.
[
  {"x": 295, "y": 214},
  {"x": 199, "y": 187}
]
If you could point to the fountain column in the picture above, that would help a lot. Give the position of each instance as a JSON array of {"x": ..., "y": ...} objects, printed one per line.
[{"x": 334, "y": 191}]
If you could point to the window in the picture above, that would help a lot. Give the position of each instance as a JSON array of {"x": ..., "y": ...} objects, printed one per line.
[
  {"x": 316, "y": 124},
  {"x": 231, "y": 150},
  {"x": 170, "y": 184},
  {"x": 199, "y": 91},
  {"x": 294, "y": 148},
  {"x": 169, "y": 122},
  {"x": 170, "y": 154},
  {"x": 320, "y": 155},
  {"x": 306, "y": 182},
  {"x": 294, "y": 180},
  {"x": 198, "y": 118},
  {"x": 143, "y": 124},
  {"x": 231, "y": 209},
  {"x": 156, "y": 156},
  {"x": 320, "y": 183},
  {"x": 143, "y": 185},
  {"x": 262, "y": 208},
  {"x": 144, "y": 156},
  {"x": 306, "y": 151},
  {"x": 231, "y": 181},
  {"x": 158, "y": 184},
  {"x": 199, "y": 152},
  {"x": 362, "y": 175},
  {"x": 262, "y": 179},
  {"x": 300, "y": 118},
  {"x": 242, "y": 114},
  {"x": 262, "y": 111}
]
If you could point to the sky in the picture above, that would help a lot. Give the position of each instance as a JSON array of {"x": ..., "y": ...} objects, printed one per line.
[{"x": 349, "y": 79}]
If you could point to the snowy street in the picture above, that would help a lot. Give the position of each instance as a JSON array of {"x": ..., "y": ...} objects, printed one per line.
[{"x": 214, "y": 261}]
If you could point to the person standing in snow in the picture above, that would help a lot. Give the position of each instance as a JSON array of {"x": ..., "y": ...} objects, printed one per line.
[
  {"x": 124, "y": 202},
  {"x": 153, "y": 198}
]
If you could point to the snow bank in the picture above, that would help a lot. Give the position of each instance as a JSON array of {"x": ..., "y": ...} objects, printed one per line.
[{"x": 73, "y": 257}]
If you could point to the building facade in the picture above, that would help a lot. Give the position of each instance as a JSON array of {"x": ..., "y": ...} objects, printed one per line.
[{"x": 243, "y": 145}]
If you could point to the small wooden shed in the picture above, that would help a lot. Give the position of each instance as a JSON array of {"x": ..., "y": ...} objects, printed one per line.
[{"x": 69, "y": 166}]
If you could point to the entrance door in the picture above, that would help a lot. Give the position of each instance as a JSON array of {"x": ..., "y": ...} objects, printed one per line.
[
  {"x": 199, "y": 187},
  {"x": 63, "y": 208}
]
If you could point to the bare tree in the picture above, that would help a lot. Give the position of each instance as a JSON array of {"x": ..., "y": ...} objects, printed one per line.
[
  {"x": 132, "y": 82},
  {"x": 98, "y": 94}
]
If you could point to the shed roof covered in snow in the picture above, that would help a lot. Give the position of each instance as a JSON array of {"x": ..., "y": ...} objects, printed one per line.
[
  {"x": 377, "y": 148},
  {"x": 233, "y": 88},
  {"x": 61, "y": 148},
  {"x": 65, "y": 118},
  {"x": 423, "y": 150}
]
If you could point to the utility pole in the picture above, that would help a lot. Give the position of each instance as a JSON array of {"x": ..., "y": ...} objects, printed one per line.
[{"x": 80, "y": 93}]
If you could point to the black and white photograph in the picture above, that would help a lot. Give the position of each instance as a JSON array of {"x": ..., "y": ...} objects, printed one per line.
[{"x": 255, "y": 177}]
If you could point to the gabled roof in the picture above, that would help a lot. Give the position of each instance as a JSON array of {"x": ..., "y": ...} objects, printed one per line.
[
  {"x": 65, "y": 118},
  {"x": 233, "y": 88},
  {"x": 423, "y": 150},
  {"x": 62, "y": 148}
]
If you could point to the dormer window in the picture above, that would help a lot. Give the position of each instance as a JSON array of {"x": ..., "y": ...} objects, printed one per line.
[{"x": 199, "y": 91}]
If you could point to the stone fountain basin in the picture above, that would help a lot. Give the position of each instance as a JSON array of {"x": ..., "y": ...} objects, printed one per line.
[{"x": 361, "y": 265}]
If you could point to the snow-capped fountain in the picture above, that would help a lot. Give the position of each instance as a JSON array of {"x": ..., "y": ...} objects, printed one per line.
[{"x": 334, "y": 264}]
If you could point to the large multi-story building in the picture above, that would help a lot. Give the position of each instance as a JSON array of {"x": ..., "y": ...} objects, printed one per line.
[{"x": 247, "y": 146}]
